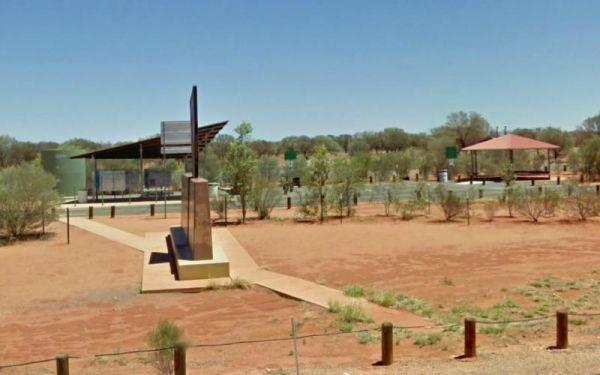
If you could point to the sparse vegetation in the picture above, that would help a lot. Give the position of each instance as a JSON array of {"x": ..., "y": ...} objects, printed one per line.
[
  {"x": 450, "y": 202},
  {"x": 27, "y": 196},
  {"x": 164, "y": 335},
  {"x": 490, "y": 207}
]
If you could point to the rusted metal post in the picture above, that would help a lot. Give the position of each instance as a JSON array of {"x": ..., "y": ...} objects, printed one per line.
[
  {"x": 470, "y": 338},
  {"x": 112, "y": 212},
  {"x": 483, "y": 181},
  {"x": 289, "y": 203},
  {"x": 480, "y": 193},
  {"x": 90, "y": 212},
  {"x": 417, "y": 177},
  {"x": 562, "y": 329},
  {"x": 387, "y": 344},
  {"x": 151, "y": 209},
  {"x": 179, "y": 359},
  {"x": 68, "y": 228},
  {"x": 558, "y": 180},
  {"x": 532, "y": 182},
  {"x": 564, "y": 168},
  {"x": 62, "y": 364},
  {"x": 581, "y": 179},
  {"x": 355, "y": 199},
  {"x": 597, "y": 189}
]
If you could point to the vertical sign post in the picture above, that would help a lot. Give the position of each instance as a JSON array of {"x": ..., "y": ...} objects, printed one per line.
[{"x": 194, "y": 126}]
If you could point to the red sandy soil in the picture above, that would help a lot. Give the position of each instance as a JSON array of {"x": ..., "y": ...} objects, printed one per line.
[
  {"x": 414, "y": 256},
  {"x": 83, "y": 298}
]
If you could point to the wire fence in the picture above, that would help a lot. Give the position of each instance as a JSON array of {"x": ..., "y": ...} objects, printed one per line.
[
  {"x": 386, "y": 330},
  {"x": 371, "y": 193}
]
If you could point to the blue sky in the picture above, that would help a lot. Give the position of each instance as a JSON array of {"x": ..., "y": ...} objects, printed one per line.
[{"x": 112, "y": 70}]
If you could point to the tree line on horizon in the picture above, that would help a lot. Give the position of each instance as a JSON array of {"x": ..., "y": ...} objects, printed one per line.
[{"x": 579, "y": 147}]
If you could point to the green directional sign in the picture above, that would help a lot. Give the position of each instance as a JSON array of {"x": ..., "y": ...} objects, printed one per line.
[
  {"x": 451, "y": 152},
  {"x": 290, "y": 155}
]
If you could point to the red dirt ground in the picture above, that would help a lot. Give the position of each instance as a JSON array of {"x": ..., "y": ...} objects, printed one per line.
[{"x": 83, "y": 298}]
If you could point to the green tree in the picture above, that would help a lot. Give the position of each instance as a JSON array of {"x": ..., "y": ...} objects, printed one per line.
[
  {"x": 345, "y": 179},
  {"x": 320, "y": 166},
  {"x": 27, "y": 196},
  {"x": 239, "y": 168},
  {"x": 467, "y": 128},
  {"x": 590, "y": 157},
  {"x": 265, "y": 193},
  {"x": 243, "y": 131}
]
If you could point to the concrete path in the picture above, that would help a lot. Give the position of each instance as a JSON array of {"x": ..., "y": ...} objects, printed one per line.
[{"x": 156, "y": 276}]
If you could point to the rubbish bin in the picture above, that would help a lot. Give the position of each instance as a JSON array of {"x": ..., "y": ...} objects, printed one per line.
[
  {"x": 82, "y": 196},
  {"x": 443, "y": 176}
]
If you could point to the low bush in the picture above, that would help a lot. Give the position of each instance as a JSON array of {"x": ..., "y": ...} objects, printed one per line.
[
  {"x": 308, "y": 203},
  {"x": 489, "y": 209},
  {"x": 27, "y": 196},
  {"x": 581, "y": 203},
  {"x": 428, "y": 339},
  {"x": 265, "y": 199},
  {"x": 510, "y": 199},
  {"x": 451, "y": 203},
  {"x": 535, "y": 203},
  {"x": 354, "y": 312},
  {"x": 164, "y": 335}
]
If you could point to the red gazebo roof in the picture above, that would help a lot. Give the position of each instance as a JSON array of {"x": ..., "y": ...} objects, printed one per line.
[{"x": 510, "y": 142}]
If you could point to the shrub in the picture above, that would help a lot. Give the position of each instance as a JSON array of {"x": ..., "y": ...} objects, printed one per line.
[
  {"x": 265, "y": 199},
  {"x": 582, "y": 203},
  {"x": 451, "y": 204},
  {"x": 535, "y": 204},
  {"x": 406, "y": 210},
  {"x": 354, "y": 290},
  {"x": 354, "y": 312},
  {"x": 510, "y": 198},
  {"x": 308, "y": 203},
  {"x": 389, "y": 195},
  {"x": 428, "y": 339},
  {"x": 27, "y": 194},
  {"x": 218, "y": 203},
  {"x": 164, "y": 335},
  {"x": 490, "y": 208}
]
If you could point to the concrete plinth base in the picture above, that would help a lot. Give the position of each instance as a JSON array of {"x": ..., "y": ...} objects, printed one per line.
[{"x": 190, "y": 269}]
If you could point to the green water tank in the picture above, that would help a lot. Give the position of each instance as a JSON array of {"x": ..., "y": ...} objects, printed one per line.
[{"x": 70, "y": 173}]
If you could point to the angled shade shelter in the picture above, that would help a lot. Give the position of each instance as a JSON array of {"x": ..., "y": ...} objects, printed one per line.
[
  {"x": 510, "y": 142},
  {"x": 151, "y": 148}
]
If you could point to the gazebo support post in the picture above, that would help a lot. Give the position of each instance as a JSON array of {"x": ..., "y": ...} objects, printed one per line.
[
  {"x": 141, "y": 170},
  {"x": 94, "y": 177}
]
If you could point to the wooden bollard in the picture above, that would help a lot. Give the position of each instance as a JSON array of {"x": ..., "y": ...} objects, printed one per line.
[
  {"x": 558, "y": 180},
  {"x": 152, "y": 209},
  {"x": 540, "y": 189},
  {"x": 470, "y": 338},
  {"x": 355, "y": 198},
  {"x": 480, "y": 193},
  {"x": 90, "y": 212},
  {"x": 483, "y": 181},
  {"x": 417, "y": 177},
  {"x": 62, "y": 364},
  {"x": 581, "y": 178},
  {"x": 562, "y": 329},
  {"x": 370, "y": 179},
  {"x": 564, "y": 168},
  {"x": 179, "y": 359},
  {"x": 387, "y": 344},
  {"x": 112, "y": 212},
  {"x": 289, "y": 203},
  {"x": 532, "y": 182},
  {"x": 597, "y": 189}
]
